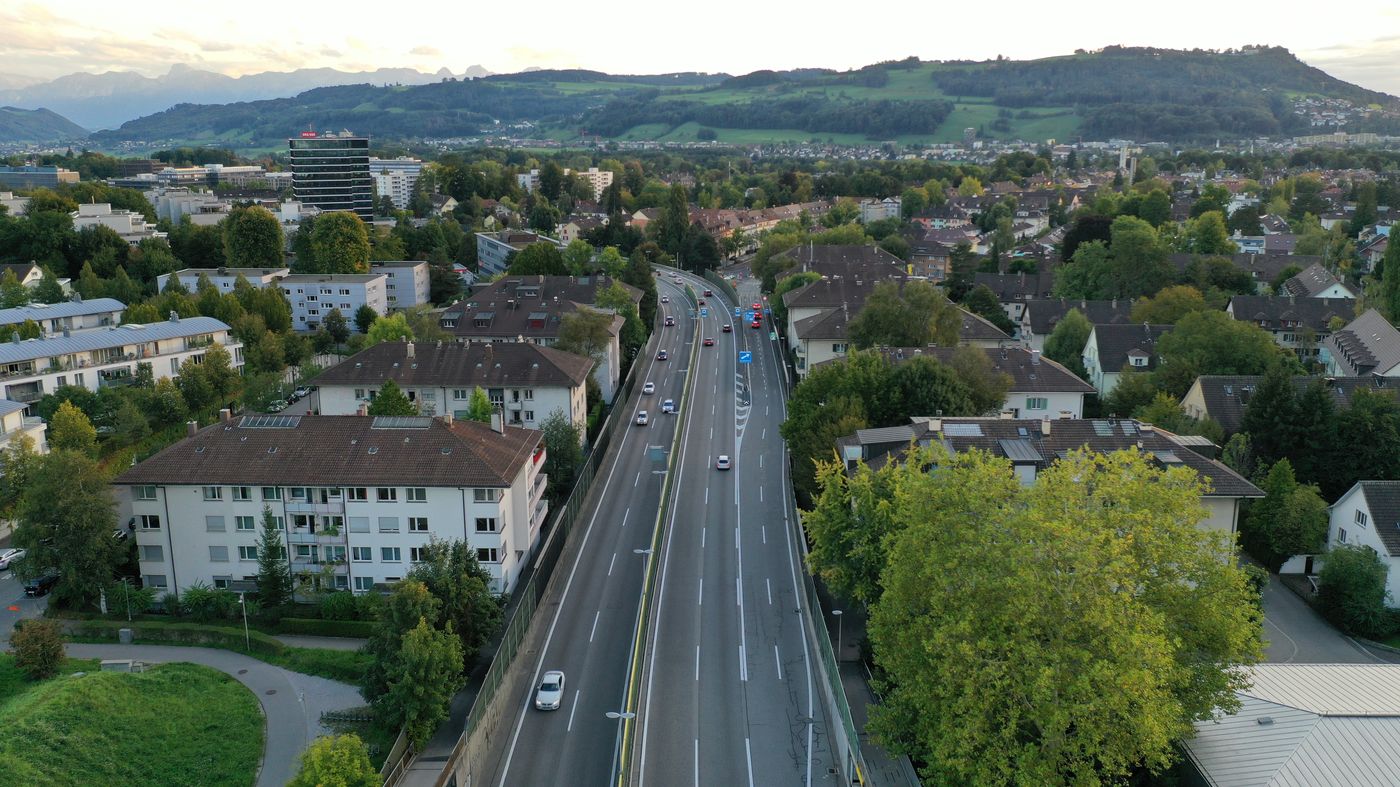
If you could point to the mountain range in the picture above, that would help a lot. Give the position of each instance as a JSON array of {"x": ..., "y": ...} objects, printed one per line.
[{"x": 106, "y": 100}]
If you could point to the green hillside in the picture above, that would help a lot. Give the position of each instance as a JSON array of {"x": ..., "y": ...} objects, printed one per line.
[{"x": 37, "y": 125}]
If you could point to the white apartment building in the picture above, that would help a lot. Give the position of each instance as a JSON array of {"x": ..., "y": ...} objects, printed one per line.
[
  {"x": 95, "y": 359},
  {"x": 313, "y": 295},
  {"x": 528, "y": 382},
  {"x": 598, "y": 179},
  {"x": 13, "y": 423},
  {"x": 360, "y": 495},
  {"x": 203, "y": 208},
  {"x": 71, "y": 316},
  {"x": 131, "y": 226},
  {"x": 395, "y": 178},
  {"x": 223, "y": 278},
  {"x": 406, "y": 283}
]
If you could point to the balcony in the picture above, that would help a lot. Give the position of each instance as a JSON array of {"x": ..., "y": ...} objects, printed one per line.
[
  {"x": 303, "y": 536},
  {"x": 307, "y": 507},
  {"x": 25, "y": 394}
]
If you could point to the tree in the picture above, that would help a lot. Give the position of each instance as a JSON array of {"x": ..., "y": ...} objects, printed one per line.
[
  {"x": 578, "y": 255},
  {"x": 452, "y": 575},
  {"x": 1207, "y": 234},
  {"x": 38, "y": 648},
  {"x": 537, "y": 259},
  {"x": 408, "y": 603},
  {"x": 1390, "y": 282},
  {"x": 1168, "y": 305},
  {"x": 392, "y": 401},
  {"x": 336, "y": 326},
  {"x": 1065, "y": 344},
  {"x": 66, "y": 519},
  {"x": 252, "y": 238},
  {"x": 1211, "y": 342},
  {"x": 980, "y": 300},
  {"x": 848, "y": 528},
  {"x": 339, "y": 244},
  {"x": 986, "y": 387},
  {"x": 1267, "y": 417},
  {"x": 480, "y": 408},
  {"x": 274, "y": 576},
  {"x": 18, "y": 461},
  {"x": 1156, "y": 208},
  {"x": 365, "y": 317},
  {"x": 1290, "y": 520},
  {"x": 336, "y": 761},
  {"x": 12, "y": 292},
  {"x": 70, "y": 429},
  {"x": 918, "y": 315},
  {"x": 426, "y": 673},
  {"x": 585, "y": 332},
  {"x": 48, "y": 290},
  {"x": 1351, "y": 590},
  {"x": 1134, "y": 391},
  {"x": 388, "y": 329},
  {"x": 1057, "y": 650},
  {"x": 563, "y": 453}
]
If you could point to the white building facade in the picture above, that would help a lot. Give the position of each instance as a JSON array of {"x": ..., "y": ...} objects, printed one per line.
[
  {"x": 314, "y": 295},
  {"x": 395, "y": 178},
  {"x": 131, "y": 226},
  {"x": 406, "y": 284}
]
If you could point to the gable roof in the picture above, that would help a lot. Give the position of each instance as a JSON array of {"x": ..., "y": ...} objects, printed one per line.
[
  {"x": 1383, "y": 501},
  {"x": 342, "y": 450},
  {"x": 976, "y": 328},
  {"x": 1116, "y": 343},
  {"x": 1010, "y": 287},
  {"x": 1045, "y": 313},
  {"x": 1030, "y": 372},
  {"x": 49, "y": 311},
  {"x": 1226, "y": 396},
  {"x": 849, "y": 261},
  {"x": 527, "y": 306},
  {"x": 1367, "y": 345},
  {"x": 1275, "y": 313},
  {"x": 460, "y": 364},
  {"x": 1311, "y": 281}
]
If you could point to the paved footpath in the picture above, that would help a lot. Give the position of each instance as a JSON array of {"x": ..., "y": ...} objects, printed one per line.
[{"x": 292, "y": 703}]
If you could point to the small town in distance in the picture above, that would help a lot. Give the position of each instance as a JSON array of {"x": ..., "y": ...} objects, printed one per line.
[{"x": 1015, "y": 416}]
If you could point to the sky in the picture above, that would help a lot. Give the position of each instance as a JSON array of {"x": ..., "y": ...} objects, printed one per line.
[{"x": 734, "y": 36}]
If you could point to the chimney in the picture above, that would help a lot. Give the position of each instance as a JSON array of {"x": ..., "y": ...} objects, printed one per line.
[
  {"x": 363, "y": 409},
  {"x": 226, "y": 415},
  {"x": 1035, "y": 356},
  {"x": 1045, "y": 427},
  {"x": 410, "y": 349},
  {"x": 446, "y": 418},
  {"x": 191, "y": 428}
]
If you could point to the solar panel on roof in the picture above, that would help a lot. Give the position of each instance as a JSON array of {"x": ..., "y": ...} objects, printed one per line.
[
  {"x": 1103, "y": 428},
  {"x": 269, "y": 421},
  {"x": 401, "y": 422},
  {"x": 962, "y": 430},
  {"x": 1129, "y": 428}
]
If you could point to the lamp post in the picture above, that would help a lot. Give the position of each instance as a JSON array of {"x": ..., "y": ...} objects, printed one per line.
[
  {"x": 612, "y": 714},
  {"x": 840, "y": 624},
  {"x": 242, "y": 603},
  {"x": 126, "y": 591}
]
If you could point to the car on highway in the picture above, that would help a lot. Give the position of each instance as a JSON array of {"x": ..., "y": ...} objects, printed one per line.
[
  {"x": 708, "y": 292},
  {"x": 642, "y": 418},
  {"x": 709, "y": 342},
  {"x": 648, "y": 389},
  {"x": 550, "y": 694},
  {"x": 722, "y": 463},
  {"x": 40, "y": 586},
  {"x": 668, "y": 406},
  {"x": 665, "y": 299},
  {"x": 757, "y": 308},
  {"x": 727, "y": 328},
  {"x": 702, "y": 301},
  {"x": 662, "y": 355},
  {"x": 670, "y": 320},
  {"x": 755, "y": 323},
  {"x": 9, "y": 556}
]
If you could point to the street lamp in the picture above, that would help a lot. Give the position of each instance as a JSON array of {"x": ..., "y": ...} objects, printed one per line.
[
  {"x": 836, "y": 613},
  {"x": 612, "y": 714},
  {"x": 242, "y": 602}
]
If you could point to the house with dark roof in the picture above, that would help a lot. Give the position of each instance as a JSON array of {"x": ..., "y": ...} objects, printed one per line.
[
  {"x": 1036, "y": 387},
  {"x": 1316, "y": 281},
  {"x": 1262, "y": 268},
  {"x": 1041, "y": 315},
  {"x": 357, "y": 498},
  {"x": 529, "y": 382},
  {"x": 1224, "y": 397},
  {"x": 850, "y": 261},
  {"x": 825, "y": 336},
  {"x": 1299, "y": 324},
  {"x": 1013, "y": 290},
  {"x": 1112, "y": 349},
  {"x": 1367, "y": 345},
  {"x": 1368, "y": 515},
  {"x": 1032, "y": 445}
]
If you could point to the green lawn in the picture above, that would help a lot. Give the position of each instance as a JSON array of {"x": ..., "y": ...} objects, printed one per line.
[{"x": 175, "y": 724}]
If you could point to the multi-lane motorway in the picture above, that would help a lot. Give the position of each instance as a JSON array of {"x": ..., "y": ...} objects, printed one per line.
[{"x": 727, "y": 692}]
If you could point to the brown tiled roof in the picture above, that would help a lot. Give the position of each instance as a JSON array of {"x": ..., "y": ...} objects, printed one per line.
[
  {"x": 487, "y": 364},
  {"x": 342, "y": 450},
  {"x": 1046, "y": 313},
  {"x": 527, "y": 306},
  {"x": 1227, "y": 396}
]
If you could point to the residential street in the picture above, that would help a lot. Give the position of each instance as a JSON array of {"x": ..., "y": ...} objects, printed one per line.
[{"x": 1293, "y": 632}]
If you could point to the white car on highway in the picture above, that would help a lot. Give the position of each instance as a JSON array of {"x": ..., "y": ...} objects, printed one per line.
[
  {"x": 642, "y": 418},
  {"x": 648, "y": 389},
  {"x": 668, "y": 406},
  {"x": 722, "y": 463},
  {"x": 550, "y": 694}
]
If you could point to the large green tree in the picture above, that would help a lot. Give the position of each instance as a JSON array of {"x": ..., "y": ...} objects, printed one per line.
[
  {"x": 915, "y": 316},
  {"x": 70, "y": 429},
  {"x": 252, "y": 238},
  {"x": 339, "y": 244},
  {"x": 66, "y": 520},
  {"x": 849, "y": 526},
  {"x": 392, "y": 328},
  {"x": 1211, "y": 342},
  {"x": 563, "y": 453},
  {"x": 1390, "y": 282},
  {"x": 336, "y": 761},
  {"x": 408, "y": 603},
  {"x": 542, "y": 258},
  {"x": 468, "y": 608},
  {"x": 425, "y": 674},
  {"x": 1065, "y": 344},
  {"x": 1290, "y": 520}
]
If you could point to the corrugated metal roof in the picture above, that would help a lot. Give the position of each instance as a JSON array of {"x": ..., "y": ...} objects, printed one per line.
[
  {"x": 7, "y": 407},
  {"x": 1330, "y": 689},
  {"x": 49, "y": 311},
  {"x": 30, "y": 349},
  {"x": 1020, "y": 451}
]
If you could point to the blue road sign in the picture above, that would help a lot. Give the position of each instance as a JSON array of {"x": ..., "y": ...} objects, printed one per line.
[
  {"x": 704, "y": 312},
  {"x": 748, "y": 315},
  {"x": 745, "y": 356},
  {"x": 736, "y": 311}
]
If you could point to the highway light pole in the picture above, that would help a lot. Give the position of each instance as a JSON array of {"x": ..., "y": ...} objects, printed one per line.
[{"x": 836, "y": 613}]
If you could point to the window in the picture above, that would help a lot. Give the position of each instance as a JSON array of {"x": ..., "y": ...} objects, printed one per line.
[
  {"x": 361, "y": 554},
  {"x": 391, "y": 580},
  {"x": 358, "y": 493},
  {"x": 156, "y": 581},
  {"x": 242, "y": 493},
  {"x": 214, "y": 524},
  {"x": 416, "y": 554},
  {"x": 838, "y": 347},
  {"x": 390, "y": 554},
  {"x": 222, "y": 581},
  {"x": 359, "y": 394},
  {"x": 1341, "y": 535},
  {"x": 485, "y": 495},
  {"x": 342, "y": 582},
  {"x": 364, "y": 583},
  {"x": 243, "y": 523},
  {"x": 1037, "y": 402},
  {"x": 247, "y": 553},
  {"x": 529, "y": 394},
  {"x": 388, "y": 524},
  {"x": 461, "y": 394},
  {"x": 218, "y": 554},
  {"x": 529, "y": 415},
  {"x": 416, "y": 494},
  {"x": 301, "y": 521},
  {"x": 146, "y": 492},
  {"x": 335, "y": 554},
  {"x": 1360, "y": 517},
  {"x": 152, "y": 553},
  {"x": 300, "y": 493},
  {"x": 344, "y": 291},
  {"x": 417, "y": 524},
  {"x": 149, "y": 521},
  {"x": 359, "y": 524},
  {"x": 272, "y": 493},
  {"x": 305, "y": 552},
  {"x": 213, "y": 493},
  {"x": 387, "y": 494},
  {"x": 491, "y": 555},
  {"x": 486, "y": 524}
]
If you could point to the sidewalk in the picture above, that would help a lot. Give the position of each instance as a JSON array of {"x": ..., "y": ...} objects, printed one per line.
[
  {"x": 292, "y": 703},
  {"x": 884, "y": 770}
]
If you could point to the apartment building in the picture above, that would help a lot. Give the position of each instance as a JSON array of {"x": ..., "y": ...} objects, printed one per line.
[
  {"x": 130, "y": 225},
  {"x": 313, "y": 295},
  {"x": 331, "y": 171},
  {"x": 356, "y": 496},
  {"x": 598, "y": 179},
  {"x": 71, "y": 316},
  {"x": 406, "y": 283},
  {"x": 395, "y": 178},
  {"x": 99, "y": 358},
  {"x": 14, "y": 423},
  {"x": 493, "y": 249},
  {"x": 223, "y": 278}
]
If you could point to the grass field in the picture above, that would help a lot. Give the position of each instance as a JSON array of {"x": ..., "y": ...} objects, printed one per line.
[{"x": 177, "y": 724}]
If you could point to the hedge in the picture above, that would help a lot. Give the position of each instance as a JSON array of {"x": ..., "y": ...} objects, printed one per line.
[
  {"x": 223, "y": 637},
  {"x": 317, "y": 627}
]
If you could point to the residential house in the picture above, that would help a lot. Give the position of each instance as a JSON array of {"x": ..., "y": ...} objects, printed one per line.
[
  {"x": 1366, "y": 515},
  {"x": 1038, "y": 387},
  {"x": 1264, "y": 269},
  {"x": 1316, "y": 281},
  {"x": 1367, "y": 345},
  {"x": 65, "y": 317},
  {"x": 14, "y": 424},
  {"x": 1013, "y": 290},
  {"x": 1113, "y": 349},
  {"x": 494, "y": 249},
  {"x": 863, "y": 262},
  {"x": 879, "y": 209},
  {"x": 357, "y": 497},
  {"x": 1040, "y": 316},
  {"x": 100, "y": 358},
  {"x": 12, "y": 205},
  {"x": 1223, "y": 398},
  {"x": 825, "y": 336},
  {"x": 313, "y": 296},
  {"x": 529, "y": 382},
  {"x": 1032, "y": 445},
  {"x": 1299, "y": 324},
  {"x": 577, "y": 228}
]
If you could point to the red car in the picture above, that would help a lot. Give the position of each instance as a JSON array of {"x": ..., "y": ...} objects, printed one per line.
[
  {"x": 709, "y": 342},
  {"x": 708, "y": 293},
  {"x": 755, "y": 323},
  {"x": 702, "y": 301},
  {"x": 757, "y": 309}
]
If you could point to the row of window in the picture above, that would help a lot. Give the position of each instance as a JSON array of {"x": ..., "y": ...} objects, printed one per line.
[
  {"x": 318, "y": 553},
  {"x": 158, "y": 581},
  {"x": 299, "y": 494},
  {"x": 329, "y": 523}
]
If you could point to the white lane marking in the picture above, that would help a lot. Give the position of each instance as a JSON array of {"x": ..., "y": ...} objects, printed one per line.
[
  {"x": 743, "y": 665},
  {"x": 610, "y": 563},
  {"x": 760, "y": 494},
  {"x": 748, "y": 756},
  {"x": 697, "y": 760},
  {"x": 700, "y": 597},
  {"x": 760, "y": 456},
  {"x": 697, "y": 662},
  {"x": 777, "y": 660},
  {"x": 764, "y": 436},
  {"x": 573, "y": 709},
  {"x": 636, "y": 480},
  {"x": 736, "y": 538},
  {"x": 769, "y": 587},
  {"x": 707, "y": 495},
  {"x": 763, "y": 529},
  {"x": 624, "y": 516},
  {"x": 702, "y": 538},
  {"x": 594, "y": 630},
  {"x": 712, "y": 433}
]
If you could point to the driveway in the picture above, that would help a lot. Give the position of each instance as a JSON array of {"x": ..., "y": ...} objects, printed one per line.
[
  {"x": 292, "y": 703},
  {"x": 1294, "y": 633}
]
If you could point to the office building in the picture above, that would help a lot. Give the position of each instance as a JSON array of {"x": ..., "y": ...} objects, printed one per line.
[
  {"x": 25, "y": 178},
  {"x": 130, "y": 225},
  {"x": 331, "y": 172}
]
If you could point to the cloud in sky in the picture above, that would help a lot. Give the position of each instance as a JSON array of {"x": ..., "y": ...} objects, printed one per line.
[{"x": 733, "y": 36}]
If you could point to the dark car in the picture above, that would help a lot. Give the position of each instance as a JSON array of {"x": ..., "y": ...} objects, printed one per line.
[
  {"x": 40, "y": 586},
  {"x": 670, "y": 320},
  {"x": 661, "y": 355}
]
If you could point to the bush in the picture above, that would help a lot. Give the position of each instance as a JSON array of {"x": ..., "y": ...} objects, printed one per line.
[
  {"x": 228, "y": 638},
  {"x": 1258, "y": 578},
  {"x": 1351, "y": 591},
  {"x": 340, "y": 605},
  {"x": 124, "y": 597},
  {"x": 326, "y": 628},
  {"x": 38, "y": 648},
  {"x": 206, "y": 604}
]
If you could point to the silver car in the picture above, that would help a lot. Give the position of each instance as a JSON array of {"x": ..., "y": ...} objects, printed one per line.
[
  {"x": 9, "y": 556},
  {"x": 550, "y": 694}
]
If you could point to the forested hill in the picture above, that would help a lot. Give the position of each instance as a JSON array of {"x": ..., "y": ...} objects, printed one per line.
[
  {"x": 1143, "y": 94},
  {"x": 37, "y": 125}
]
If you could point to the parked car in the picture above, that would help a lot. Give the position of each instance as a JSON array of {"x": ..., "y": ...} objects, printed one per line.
[
  {"x": 40, "y": 586},
  {"x": 9, "y": 556},
  {"x": 550, "y": 694},
  {"x": 301, "y": 392}
]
